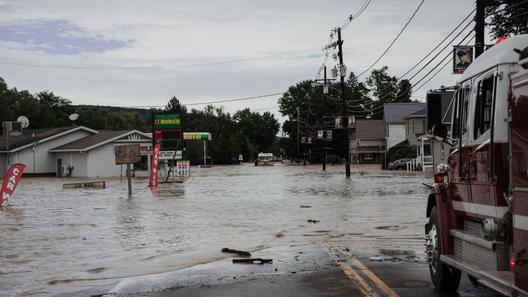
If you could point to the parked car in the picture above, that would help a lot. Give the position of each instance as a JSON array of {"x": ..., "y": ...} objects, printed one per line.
[{"x": 400, "y": 164}]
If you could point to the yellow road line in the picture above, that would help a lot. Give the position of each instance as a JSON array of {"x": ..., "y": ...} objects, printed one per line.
[
  {"x": 363, "y": 286},
  {"x": 374, "y": 278}
]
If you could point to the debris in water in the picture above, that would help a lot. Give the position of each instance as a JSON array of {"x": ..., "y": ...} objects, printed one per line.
[
  {"x": 96, "y": 270},
  {"x": 376, "y": 258},
  {"x": 313, "y": 221},
  {"x": 240, "y": 253},
  {"x": 280, "y": 235},
  {"x": 306, "y": 206},
  {"x": 392, "y": 228},
  {"x": 252, "y": 261}
]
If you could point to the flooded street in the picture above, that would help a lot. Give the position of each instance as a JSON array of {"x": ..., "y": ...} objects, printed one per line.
[{"x": 57, "y": 241}]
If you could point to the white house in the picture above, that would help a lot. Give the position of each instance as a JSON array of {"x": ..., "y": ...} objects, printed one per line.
[
  {"x": 32, "y": 148},
  {"x": 394, "y": 115},
  {"x": 94, "y": 156}
]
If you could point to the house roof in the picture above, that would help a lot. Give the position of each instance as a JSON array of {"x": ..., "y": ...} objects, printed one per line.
[
  {"x": 31, "y": 136},
  {"x": 395, "y": 113},
  {"x": 370, "y": 129},
  {"x": 422, "y": 113},
  {"x": 96, "y": 140}
]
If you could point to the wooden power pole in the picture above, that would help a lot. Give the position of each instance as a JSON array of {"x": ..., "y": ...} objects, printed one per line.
[{"x": 344, "y": 103}]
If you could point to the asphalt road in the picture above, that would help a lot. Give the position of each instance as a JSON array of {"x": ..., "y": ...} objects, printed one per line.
[{"x": 296, "y": 271}]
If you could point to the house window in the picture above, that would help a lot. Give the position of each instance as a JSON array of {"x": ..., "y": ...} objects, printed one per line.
[
  {"x": 367, "y": 156},
  {"x": 143, "y": 164},
  {"x": 484, "y": 105}
]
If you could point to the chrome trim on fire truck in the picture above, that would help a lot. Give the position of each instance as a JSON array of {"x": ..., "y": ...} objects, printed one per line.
[
  {"x": 521, "y": 83},
  {"x": 481, "y": 209},
  {"x": 520, "y": 222},
  {"x": 520, "y": 189}
]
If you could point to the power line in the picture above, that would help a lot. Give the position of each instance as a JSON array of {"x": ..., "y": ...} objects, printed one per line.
[
  {"x": 128, "y": 67},
  {"x": 331, "y": 37},
  {"x": 125, "y": 80},
  {"x": 356, "y": 15},
  {"x": 442, "y": 50},
  {"x": 441, "y": 68},
  {"x": 441, "y": 42},
  {"x": 216, "y": 101},
  {"x": 235, "y": 100},
  {"x": 395, "y": 39},
  {"x": 449, "y": 54},
  {"x": 414, "y": 87}
]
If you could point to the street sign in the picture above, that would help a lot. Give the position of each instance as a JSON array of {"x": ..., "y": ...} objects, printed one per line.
[
  {"x": 164, "y": 121},
  {"x": 183, "y": 168},
  {"x": 196, "y": 136},
  {"x": 127, "y": 154},
  {"x": 167, "y": 131},
  {"x": 169, "y": 155}
]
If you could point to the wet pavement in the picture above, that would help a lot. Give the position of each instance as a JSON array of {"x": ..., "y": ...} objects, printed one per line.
[{"x": 167, "y": 242}]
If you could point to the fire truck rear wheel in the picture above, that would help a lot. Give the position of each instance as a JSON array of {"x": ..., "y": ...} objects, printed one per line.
[{"x": 444, "y": 277}]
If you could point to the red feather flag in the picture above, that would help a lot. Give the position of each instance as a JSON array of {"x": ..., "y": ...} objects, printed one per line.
[{"x": 11, "y": 180}]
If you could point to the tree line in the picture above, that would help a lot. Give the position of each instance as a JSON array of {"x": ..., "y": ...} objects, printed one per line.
[
  {"x": 245, "y": 132},
  {"x": 317, "y": 110}
]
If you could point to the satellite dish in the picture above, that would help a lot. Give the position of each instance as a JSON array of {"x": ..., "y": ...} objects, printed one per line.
[
  {"x": 73, "y": 116},
  {"x": 24, "y": 121}
]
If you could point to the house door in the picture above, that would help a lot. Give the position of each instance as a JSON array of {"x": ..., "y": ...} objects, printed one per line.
[{"x": 59, "y": 167}]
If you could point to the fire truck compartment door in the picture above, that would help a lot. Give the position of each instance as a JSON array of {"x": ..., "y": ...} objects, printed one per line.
[{"x": 519, "y": 138}]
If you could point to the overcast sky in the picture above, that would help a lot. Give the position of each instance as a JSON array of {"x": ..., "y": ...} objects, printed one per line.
[{"x": 141, "y": 53}]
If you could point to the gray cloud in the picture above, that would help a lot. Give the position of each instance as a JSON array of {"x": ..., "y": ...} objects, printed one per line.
[{"x": 226, "y": 49}]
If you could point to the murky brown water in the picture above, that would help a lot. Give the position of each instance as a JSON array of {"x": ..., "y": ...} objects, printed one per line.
[{"x": 54, "y": 240}]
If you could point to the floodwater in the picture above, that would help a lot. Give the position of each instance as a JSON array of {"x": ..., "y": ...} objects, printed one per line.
[{"x": 55, "y": 241}]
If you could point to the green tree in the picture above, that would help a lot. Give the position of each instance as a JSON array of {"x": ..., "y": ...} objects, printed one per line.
[
  {"x": 7, "y": 101},
  {"x": 260, "y": 130},
  {"x": 360, "y": 104},
  {"x": 317, "y": 111},
  {"x": 384, "y": 87},
  {"x": 387, "y": 89},
  {"x": 227, "y": 139},
  {"x": 95, "y": 117},
  {"x": 174, "y": 105},
  {"x": 54, "y": 110},
  {"x": 507, "y": 17}
]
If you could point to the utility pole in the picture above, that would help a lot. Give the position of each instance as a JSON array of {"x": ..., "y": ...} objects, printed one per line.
[
  {"x": 344, "y": 103},
  {"x": 298, "y": 132},
  {"x": 479, "y": 27},
  {"x": 324, "y": 157}
]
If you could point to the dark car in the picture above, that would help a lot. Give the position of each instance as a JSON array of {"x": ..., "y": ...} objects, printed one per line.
[{"x": 400, "y": 164}]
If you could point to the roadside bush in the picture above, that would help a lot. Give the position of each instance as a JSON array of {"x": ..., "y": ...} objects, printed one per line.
[{"x": 399, "y": 151}]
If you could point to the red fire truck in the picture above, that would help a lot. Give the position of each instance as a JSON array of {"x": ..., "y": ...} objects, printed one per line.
[{"x": 478, "y": 206}]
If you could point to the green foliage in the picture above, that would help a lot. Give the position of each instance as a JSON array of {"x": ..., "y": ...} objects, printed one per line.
[
  {"x": 387, "y": 89},
  {"x": 174, "y": 105},
  {"x": 317, "y": 111},
  {"x": 507, "y": 17},
  {"x": 245, "y": 133},
  {"x": 47, "y": 110},
  {"x": 400, "y": 151},
  {"x": 260, "y": 130}
]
